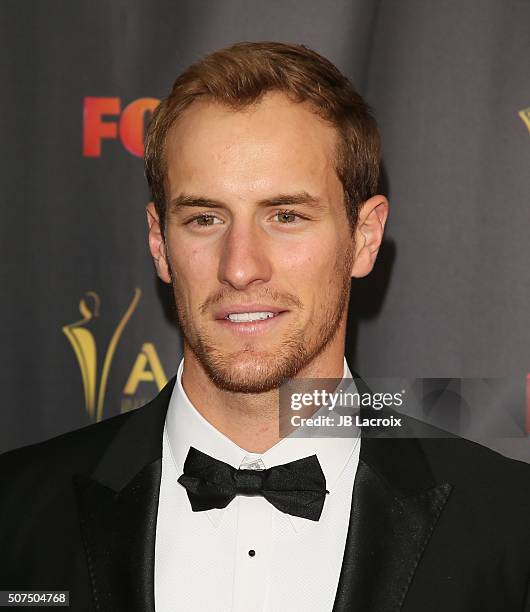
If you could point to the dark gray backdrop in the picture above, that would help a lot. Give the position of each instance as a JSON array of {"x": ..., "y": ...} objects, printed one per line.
[{"x": 449, "y": 82}]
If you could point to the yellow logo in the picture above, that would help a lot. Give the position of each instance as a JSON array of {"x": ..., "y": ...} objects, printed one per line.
[
  {"x": 146, "y": 368},
  {"x": 525, "y": 116}
]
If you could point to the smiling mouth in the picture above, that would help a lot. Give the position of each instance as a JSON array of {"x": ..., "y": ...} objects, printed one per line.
[
  {"x": 250, "y": 317},
  {"x": 253, "y": 323}
]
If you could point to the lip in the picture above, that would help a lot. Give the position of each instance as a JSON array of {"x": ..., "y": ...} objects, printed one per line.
[
  {"x": 223, "y": 312},
  {"x": 253, "y": 328}
]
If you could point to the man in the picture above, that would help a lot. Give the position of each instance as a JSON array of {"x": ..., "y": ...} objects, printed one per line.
[{"x": 263, "y": 165}]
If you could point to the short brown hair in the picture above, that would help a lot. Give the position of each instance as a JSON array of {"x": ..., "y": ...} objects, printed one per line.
[{"x": 240, "y": 75}]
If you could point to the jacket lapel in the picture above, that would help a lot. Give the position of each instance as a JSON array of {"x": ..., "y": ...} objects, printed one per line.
[
  {"x": 395, "y": 506},
  {"x": 386, "y": 538},
  {"x": 118, "y": 505}
]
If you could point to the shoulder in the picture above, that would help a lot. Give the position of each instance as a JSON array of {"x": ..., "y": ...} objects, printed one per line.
[
  {"x": 490, "y": 489},
  {"x": 457, "y": 459},
  {"x": 63, "y": 455},
  {"x": 461, "y": 460},
  {"x": 484, "y": 483},
  {"x": 51, "y": 463}
]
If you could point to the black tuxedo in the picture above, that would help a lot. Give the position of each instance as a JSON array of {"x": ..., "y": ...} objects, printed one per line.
[{"x": 435, "y": 525}]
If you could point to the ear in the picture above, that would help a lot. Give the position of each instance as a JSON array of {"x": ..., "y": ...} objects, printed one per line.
[
  {"x": 157, "y": 245},
  {"x": 369, "y": 234}
]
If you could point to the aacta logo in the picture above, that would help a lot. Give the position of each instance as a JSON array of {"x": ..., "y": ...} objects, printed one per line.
[
  {"x": 146, "y": 366},
  {"x": 103, "y": 119}
]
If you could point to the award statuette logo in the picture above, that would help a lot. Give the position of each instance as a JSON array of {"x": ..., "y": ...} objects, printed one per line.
[{"x": 85, "y": 349}]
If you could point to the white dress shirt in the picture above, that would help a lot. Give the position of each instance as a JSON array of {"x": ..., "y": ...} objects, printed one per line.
[{"x": 202, "y": 560}]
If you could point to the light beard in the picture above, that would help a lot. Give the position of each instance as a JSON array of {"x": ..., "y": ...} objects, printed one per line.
[{"x": 250, "y": 370}]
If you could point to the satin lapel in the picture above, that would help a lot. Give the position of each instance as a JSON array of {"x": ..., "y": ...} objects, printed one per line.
[
  {"x": 395, "y": 506},
  {"x": 119, "y": 536},
  {"x": 385, "y": 541},
  {"x": 118, "y": 506}
]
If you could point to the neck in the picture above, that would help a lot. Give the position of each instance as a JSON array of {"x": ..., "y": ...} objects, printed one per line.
[{"x": 251, "y": 420}]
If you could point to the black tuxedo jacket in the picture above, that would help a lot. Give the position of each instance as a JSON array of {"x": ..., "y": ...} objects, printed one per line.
[{"x": 435, "y": 525}]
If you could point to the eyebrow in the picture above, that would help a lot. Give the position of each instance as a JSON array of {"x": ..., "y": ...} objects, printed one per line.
[{"x": 291, "y": 199}]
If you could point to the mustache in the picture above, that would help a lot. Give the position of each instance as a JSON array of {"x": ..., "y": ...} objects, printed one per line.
[{"x": 266, "y": 294}]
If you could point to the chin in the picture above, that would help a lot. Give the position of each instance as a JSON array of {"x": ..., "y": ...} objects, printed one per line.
[{"x": 248, "y": 370}]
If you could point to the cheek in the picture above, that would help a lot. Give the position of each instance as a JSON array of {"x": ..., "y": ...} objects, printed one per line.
[
  {"x": 308, "y": 267},
  {"x": 192, "y": 268}
]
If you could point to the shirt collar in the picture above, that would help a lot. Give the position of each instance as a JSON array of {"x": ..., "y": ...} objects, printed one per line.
[{"x": 186, "y": 427}]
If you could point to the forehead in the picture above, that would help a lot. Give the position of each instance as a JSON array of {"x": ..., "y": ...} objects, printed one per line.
[{"x": 274, "y": 145}]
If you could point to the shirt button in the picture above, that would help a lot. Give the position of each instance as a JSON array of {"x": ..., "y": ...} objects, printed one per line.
[{"x": 251, "y": 553}]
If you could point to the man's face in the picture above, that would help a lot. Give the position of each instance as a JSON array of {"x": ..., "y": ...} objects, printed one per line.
[{"x": 257, "y": 239}]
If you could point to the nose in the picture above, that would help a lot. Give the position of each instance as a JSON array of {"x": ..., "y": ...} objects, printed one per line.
[{"x": 245, "y": 257}]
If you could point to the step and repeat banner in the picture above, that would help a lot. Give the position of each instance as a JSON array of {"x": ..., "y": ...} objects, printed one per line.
[{"x": 87, "y": 330}]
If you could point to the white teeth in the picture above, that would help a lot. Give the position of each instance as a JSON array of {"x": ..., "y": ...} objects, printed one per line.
[{"x": 249, "y": 316}]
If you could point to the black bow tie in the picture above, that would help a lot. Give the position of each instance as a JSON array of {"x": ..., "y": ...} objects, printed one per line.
[{"x": 297, "y": 488}]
